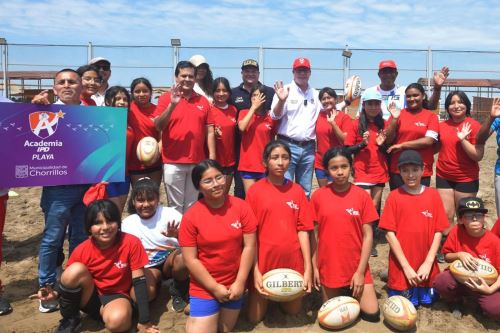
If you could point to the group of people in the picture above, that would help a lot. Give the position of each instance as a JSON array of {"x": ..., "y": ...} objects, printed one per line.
[{"x": 214, "y": 246}]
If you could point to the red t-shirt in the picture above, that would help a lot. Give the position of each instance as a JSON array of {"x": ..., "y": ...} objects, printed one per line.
[
  {"x": 414, "y": 219},
  {"x": 486, "y": 247},
  {"x": 111, "y": 268},
  {"x": 496, "y": 228},
  {"x": 184, "y": 137},
  {"x": 453, "y": 162},
  {"x": 224, "y": 121},
  {"x": 412, "y": 126},
  {"x": 87, "y": 101},
  {"x": 325, "y": 136},
  {"x": 281, "y": 211},
  {"x": 340, "y": 217},
  {"x": 142, "y": 122},
  {"x": 370, "y": 163},
  {"x": 260, "y": 130},
  {"x": 217, "y": 233}
]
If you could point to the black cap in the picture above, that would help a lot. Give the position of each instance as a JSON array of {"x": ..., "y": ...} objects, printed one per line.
[
  {"x": 410, "y": 157},
  {"x": 250, "y": 63},
  {"x": 471, "y": 204}
]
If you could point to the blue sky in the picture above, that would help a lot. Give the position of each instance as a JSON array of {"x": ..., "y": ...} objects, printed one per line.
[{"x": 446, "y": 24}]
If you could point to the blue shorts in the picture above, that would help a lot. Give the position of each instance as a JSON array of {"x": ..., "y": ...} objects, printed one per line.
[
  {"x": 322, "y": 174},
  {"x": 200, "y": 307},
  {"x": 252, "y": 175},
  {"x": 118, "y": 188},
  {"x": 417, "y": 295}
]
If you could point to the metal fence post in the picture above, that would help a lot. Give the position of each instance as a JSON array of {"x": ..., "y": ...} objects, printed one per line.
[
  {"x": 429, "y": 69},
  {"x": 261, "y": 63},
  {"x": 90, "y": 52},
  {"x": 3, "y": 44}
]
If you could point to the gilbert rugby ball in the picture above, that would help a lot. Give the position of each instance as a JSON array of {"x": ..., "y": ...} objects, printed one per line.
[
  {"x": 338, "y": 312},
  {"x": 147, "y": 150},
  {"x": 484, "y": 270},
  {"x": 352, "y": 89},
  {"x": 283, "y": 284},
  {"x": 399, "y": 313}
]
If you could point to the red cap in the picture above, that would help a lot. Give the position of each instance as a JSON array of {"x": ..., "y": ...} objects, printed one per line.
[
  {"x": 387, "y": 64},
  {"x": 301, "y": 63}
]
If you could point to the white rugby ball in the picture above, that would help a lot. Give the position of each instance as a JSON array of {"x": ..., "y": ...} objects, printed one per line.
[
  {"x": 352, "y": 89},
  {"x": 147, "y": 150},
  {"x": 484, "y": 269},
  {"x": 338, "y": 312},
  {"x": 399, "y": 313},
  {"x": 283, "y": 284}
]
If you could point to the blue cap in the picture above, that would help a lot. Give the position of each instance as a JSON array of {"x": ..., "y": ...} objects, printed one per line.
[{"x": 371, "y": 94}]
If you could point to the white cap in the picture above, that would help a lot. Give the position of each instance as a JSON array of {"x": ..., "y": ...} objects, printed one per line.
[
  {"x": 96, "y": 60},
  {"x": 197, "y": 60}
]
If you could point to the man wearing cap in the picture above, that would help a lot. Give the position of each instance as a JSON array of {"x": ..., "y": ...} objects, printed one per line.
[
  {"x": 240, "y": 98},
  {"x": 62, "y": 205},
  {"x": 297, "y": 106},
  {"x": 387, "y": 73},
  {"x": 104, "y": 66}
]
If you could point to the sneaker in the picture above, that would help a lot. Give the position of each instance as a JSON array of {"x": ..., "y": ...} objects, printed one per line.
[
  {"x": 440, "y": 258},
  {"x": 374, "y": 252},
  {"x": 48, "y": 306},
  {"x": 4, "y": 306},
  {"x": 178, "y": 303},
  {"x": 69, "y": 325}
]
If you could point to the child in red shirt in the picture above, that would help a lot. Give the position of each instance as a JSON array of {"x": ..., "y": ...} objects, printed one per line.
[
  {"x": 332, "y": 128},
  {"x": 105, "y": 273},
  {"x": 412, "y": 128},
  {"x": 344, "y": 236},
  {"x": 117, "y": 192},
  {"x": 467, "y": 241},
  {"x": 217, "y": 238},
  {"x": 414, "y": 219},
  {"x": 141, "y": 120},
  {"x": 223, "y": 116},
  {"x": 257, "y": 129},
  {"x": 284, "y": 221},
  {"x": 91, "y": 82}
]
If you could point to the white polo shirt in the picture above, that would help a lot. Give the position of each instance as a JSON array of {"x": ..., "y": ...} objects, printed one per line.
[{"x": 300, "y": 112}]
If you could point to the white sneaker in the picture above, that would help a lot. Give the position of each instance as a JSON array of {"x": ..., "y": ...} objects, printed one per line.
[{"x": 48, "y": 306}]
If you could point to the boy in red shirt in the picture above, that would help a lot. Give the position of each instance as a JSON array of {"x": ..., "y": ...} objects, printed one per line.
[
  {"x": 414, "y": 219},
  {"x": 467, "y": 241}
]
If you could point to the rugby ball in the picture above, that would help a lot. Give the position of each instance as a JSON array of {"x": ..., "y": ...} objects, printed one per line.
[
  {"x": 484, "y": 269},
  {"x": 352, "y": 89},
  {"x": 399, "y": 313},
  {"x": 147, "y": 150},
  {"x": 283, "y": 284},
  {"x": 338, "y": 312}
]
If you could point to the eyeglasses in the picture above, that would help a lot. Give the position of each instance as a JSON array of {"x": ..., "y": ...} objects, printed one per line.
[
  {"x": 87, "y": 79},
  {"x": 473, "y": 216},
  {"x": 70, "y": 82},
  {"x": 219, "y": 179}
]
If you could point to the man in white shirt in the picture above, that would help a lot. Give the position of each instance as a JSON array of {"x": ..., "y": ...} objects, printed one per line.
[
  {"x": 387, "y": 73},
  {"x": 104, "y": 66},
  {"x": 297, "y": 105}
]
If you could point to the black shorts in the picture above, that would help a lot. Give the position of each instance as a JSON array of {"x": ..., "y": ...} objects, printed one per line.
[
  {"x": 228, "y": 171},
  {"x": 93, "y": 306},
  {"x": 369, "y": 187},
  {"x": 464, "y": 187},
  {"x": 395, "y": 181},
  {"x": 145, "y": 171}
]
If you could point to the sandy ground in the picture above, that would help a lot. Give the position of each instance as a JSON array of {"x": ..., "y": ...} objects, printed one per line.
[{"x": 19, "y": 274}]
